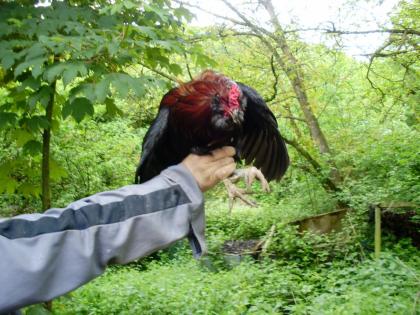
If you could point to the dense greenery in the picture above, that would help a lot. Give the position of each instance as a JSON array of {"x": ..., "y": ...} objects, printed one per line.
[{"x": 80, "y": 82}]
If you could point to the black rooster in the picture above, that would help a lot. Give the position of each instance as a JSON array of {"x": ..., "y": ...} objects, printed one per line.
[{"x": 209, "y": 112}]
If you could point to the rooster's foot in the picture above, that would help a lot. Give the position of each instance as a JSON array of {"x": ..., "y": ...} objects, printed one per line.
[{"x": 249, "y": 175}]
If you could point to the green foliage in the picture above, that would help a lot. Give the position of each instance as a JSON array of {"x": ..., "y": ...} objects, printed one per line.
[
  {"x": 388, "y": 161},
  {"x": 182, "y": 287},
  {"x": 95, "y": 165},
  {"x": 374, "y": 287},
  {"x": 103, "y": 59},
  {"x": 78, "y": 108},
  {"x": 72, "y": 57}
]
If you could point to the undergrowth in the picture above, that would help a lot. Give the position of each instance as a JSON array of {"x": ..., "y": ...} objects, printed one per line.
[{"x": 185, "y": 286}]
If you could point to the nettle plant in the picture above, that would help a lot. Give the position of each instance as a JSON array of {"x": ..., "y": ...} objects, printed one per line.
[{"x": 61, "y": 59}]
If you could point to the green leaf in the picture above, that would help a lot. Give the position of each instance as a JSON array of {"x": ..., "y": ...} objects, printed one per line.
[
  {"x": 29, "y": 189},
  {"x": 32, "y": 147},
  {"x": 162, "y": 14},
  {"x": 35, "y": 51},
  {"x": 112, "y": 109},
  {"x": 21, "y": 136},
  {"x": 121, "y": 83},
  {"x": 69, "y": 75},
  {"x": 102, "y": 90},
  {"x": 167, "y": 44},
  {"x": 175, "y": 69},
  {"x": 42, "y": 96},
  {"x": 7, "y": 118},
  {"x": 107, "y": 21},
  {"x": 137, "y": 85},
  {"x": 7, "y": 61},
  {"x": 8, "y": 185},
  {"x": 81, "y": 68},
  {"x": 55, "y": 125},
  {"x": 113, "y": 48},
  {"x": 15, "y": 22},
  {"x": 72, "y": 70},
  {"x": 84, "y": 89},
  {"x": 183, "y": 12},
  {"x": 149, "y": 31},
  {"x": 31, "y": 83},
  {"x": 56, "y": 171},
  {"x": 78, "y": 108},
  {"x": 33, "y": 63},
  {"x": 35, "y": 123},
  {"x": 53, "y": 72},
  {"x": 130, "y": 4},
  {"x": 5, "y": 168},
  {"x": 37, "y": 70},
  {"x": 20, "y": 68}
]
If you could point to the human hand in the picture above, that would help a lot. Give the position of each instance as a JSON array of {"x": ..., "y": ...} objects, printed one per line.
[{"x": 208, "y": 170}]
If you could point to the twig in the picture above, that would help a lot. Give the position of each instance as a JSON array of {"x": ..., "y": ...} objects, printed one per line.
[
  {"x": 188, "y": 66},
  {"x": 163, "y": 74},
  {"x": 276, "y": 80},
  {"x": 209, "y": 12},
  {"x": 389, "y": 31},
  {"x": 292, "y": 117}
]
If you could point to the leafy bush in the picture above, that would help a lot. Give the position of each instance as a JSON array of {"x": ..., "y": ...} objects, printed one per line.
[
  {"x": 93, "y": 164},
  {"x": 386, "y": 286}
]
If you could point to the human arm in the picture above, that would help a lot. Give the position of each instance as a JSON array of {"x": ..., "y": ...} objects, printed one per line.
[{"x": 46, "y": 255}]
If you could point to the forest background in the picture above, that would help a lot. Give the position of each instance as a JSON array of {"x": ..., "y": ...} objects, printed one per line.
[{"x": 81, "y": 81}]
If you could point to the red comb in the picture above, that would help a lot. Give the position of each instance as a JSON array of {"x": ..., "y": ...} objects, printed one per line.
[{"x": 234, "y": 94}]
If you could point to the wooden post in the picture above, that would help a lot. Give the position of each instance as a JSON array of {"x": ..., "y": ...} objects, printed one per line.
[
  {"x": 268, "y": 240},
  {"x": 377, "y": 231}
]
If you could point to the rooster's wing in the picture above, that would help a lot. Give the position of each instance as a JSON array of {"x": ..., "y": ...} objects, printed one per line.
[
  {"x": 261, "y": 143},
  {"x": 153, "y": 161}
]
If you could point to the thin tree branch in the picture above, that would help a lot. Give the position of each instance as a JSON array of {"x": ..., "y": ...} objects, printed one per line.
[
  {"x": 209, "y": 12},
  {"x": 369, "y": 70},
  {"x": 293, "y": 122},
  {"x": 407, "y": 31},
  {"x": 276, "y": 80},
  {"x": 292, "y": 118},
  {"x": 188, "y": 66},
  {"x": 163, "y": 74},
  {"x": 389, "y": 31},
  {"x": 390, "y": 54}
]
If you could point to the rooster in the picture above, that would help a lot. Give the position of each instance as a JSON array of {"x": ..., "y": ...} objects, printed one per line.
[{"x": 210, "y": 112}]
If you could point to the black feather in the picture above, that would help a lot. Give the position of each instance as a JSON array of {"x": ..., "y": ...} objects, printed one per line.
[{"x": 259, "y": 120}]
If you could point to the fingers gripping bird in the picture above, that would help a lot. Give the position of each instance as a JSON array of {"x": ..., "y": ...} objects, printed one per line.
[{"x": 210, "y": 112}]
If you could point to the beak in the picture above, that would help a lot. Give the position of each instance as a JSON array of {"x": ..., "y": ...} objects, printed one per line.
[{"x": 235, "y": 115}]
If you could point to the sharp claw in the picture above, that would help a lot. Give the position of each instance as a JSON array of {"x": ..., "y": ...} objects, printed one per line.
[
  {"x": 249, "y": 175},
  {"x": 235, "y": 192}
]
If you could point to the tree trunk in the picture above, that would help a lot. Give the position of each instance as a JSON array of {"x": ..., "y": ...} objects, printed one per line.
[
  {"x": 292, "y": 69},
  {"x": 46, "y": 138},
  {"x": 294, "y": 73}
]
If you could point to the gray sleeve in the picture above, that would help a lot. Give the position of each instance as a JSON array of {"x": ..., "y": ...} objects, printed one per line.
[{"x": 46, "y": 255}]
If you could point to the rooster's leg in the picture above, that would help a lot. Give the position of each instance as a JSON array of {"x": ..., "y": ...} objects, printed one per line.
[
  {"x": 235, "y": 192},
  {"x": 249, "y": 175}
]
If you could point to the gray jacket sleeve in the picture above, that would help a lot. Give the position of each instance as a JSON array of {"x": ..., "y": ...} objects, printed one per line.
[{"x": 46, "y": 255}]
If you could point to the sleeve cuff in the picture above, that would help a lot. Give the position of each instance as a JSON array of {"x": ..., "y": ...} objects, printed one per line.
[{"x": 179, "y": 174}]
